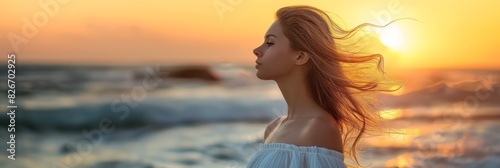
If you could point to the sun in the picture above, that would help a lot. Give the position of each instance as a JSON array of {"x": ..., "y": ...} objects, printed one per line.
[{"x": 392, "y": 37}]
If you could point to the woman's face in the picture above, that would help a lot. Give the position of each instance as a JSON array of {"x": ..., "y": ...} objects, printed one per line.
[{"x": 275, "y": 57}]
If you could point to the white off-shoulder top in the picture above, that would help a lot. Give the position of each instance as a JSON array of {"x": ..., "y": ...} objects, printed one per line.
[{"x": 283, "y": 155}]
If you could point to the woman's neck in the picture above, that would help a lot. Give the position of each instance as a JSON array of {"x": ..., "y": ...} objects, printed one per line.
[{"x": 298, "y": 97}]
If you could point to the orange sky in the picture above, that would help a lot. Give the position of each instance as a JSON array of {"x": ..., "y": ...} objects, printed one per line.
[{"x": 449, "y": 34}]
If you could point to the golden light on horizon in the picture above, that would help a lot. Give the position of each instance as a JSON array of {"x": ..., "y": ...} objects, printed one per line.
[
  {"x": 391, "y": 114},
  {"x": 403, "y": 160}
]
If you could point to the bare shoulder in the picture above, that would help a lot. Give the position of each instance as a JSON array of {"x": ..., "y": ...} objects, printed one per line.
[
  {"x": 270, "y": 127},
  {"x": 320, "y": 132}
]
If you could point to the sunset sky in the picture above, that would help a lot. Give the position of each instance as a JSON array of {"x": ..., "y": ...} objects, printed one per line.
[{"x": 448, "y": 34}]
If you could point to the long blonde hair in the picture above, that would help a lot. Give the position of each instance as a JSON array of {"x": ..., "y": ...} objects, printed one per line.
[{"x": 343, "y": 89}]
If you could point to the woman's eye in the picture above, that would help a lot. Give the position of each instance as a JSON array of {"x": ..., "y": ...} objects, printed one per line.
[{"x": 269, "y": 44}]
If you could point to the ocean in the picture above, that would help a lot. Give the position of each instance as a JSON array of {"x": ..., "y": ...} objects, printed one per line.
[{"x": 130, "y": 116}]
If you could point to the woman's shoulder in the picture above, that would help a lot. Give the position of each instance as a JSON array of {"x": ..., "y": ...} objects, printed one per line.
[{"x": 318, "y": 132}]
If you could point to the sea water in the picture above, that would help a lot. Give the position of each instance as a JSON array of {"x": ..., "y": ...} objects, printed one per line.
[{"x": 93, "y": 117}]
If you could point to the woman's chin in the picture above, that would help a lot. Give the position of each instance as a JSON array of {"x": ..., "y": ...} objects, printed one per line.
[
  {"x": 259, "y": 75},
  {"x": 262, "y": 76}
]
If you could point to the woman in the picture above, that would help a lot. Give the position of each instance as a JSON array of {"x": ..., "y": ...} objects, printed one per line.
[{"x": 328, "y": 110}]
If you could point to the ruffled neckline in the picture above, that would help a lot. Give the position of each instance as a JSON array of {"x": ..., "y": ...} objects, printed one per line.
[{"x": 305, "y": 149}]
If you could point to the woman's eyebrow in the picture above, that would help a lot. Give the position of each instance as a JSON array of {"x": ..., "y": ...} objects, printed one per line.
[{"x": 269, "y": 35}]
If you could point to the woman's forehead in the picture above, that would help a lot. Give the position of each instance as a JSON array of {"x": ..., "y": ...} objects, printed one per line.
[{"x": 274, "y": 30}]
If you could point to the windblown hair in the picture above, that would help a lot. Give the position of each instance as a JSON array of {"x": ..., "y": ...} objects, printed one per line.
[{"x": 335, "y": 77}]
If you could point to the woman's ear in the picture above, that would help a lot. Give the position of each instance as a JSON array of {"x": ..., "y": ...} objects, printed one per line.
[{"x": 302, "y": 58}]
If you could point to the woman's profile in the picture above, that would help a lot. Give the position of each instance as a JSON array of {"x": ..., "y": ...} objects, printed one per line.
[{"x": 329, "y": 107}]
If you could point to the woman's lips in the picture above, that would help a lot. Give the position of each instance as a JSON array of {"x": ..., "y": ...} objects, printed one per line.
[{"x": 257, "y": 64}]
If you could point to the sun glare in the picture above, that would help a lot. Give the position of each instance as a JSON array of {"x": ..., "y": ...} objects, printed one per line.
[{"x": 392, "y": 37}]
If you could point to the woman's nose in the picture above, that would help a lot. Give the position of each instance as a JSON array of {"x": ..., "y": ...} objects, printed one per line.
[{"x": 256, "y": 52}]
